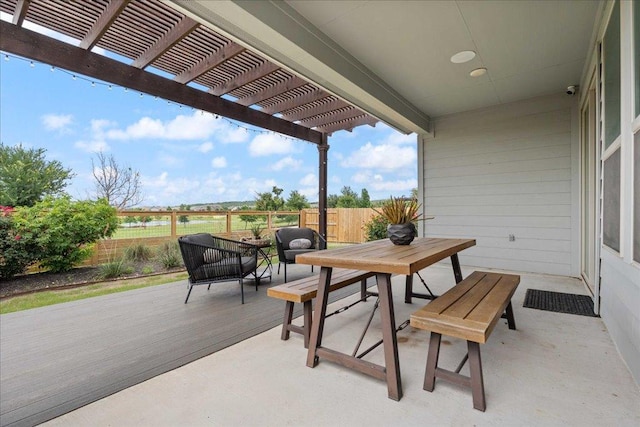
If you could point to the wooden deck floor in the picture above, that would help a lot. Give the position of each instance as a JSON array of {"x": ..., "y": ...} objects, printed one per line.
[{"x": 56, "y": 359}]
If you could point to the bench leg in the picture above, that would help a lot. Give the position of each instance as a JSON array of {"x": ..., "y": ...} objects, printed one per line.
[
  {"x": 475, "y": 369},
  {"x": 307, "y": 310},
  {"x": 432, "y": 362},
  {"x": 511, "y": 320},
  {"x": 286, "y": 322}
]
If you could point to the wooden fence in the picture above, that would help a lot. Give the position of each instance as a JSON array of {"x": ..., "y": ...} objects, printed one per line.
[{"x": 153, "y": 228}]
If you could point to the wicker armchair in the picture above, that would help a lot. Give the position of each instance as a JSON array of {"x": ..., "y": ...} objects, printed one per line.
[
  {"x": 287, "y": 253},
  {"x": 211, "y": 259}
]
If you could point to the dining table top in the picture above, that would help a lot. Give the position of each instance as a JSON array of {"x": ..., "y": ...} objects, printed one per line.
[{"x": 382, "y": 256}]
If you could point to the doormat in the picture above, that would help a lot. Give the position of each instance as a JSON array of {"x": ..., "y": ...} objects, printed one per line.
[{"x": 559, "y": 302}]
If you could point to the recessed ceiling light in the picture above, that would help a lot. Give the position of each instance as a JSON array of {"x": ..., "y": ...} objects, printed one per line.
[
  {"x": 462, "y": 57},
  {"x": 478, "y": 72}
]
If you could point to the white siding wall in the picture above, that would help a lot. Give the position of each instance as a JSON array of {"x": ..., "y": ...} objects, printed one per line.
[{"x": 510, "y": 169}]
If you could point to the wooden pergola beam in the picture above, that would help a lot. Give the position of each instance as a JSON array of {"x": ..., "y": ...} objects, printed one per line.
[
  {"x": 22, "y": 6},
  {"x": 245, "y": 78},
  {"x": 29, "y": 44},
  {"x": 351, "y": 123},
  {"x": 324, "y": 107},
  {"x": 271, "y": 91},
  {"x": 295, "y": 102},
  {"x": 101, "y": 26},
  {"x": 212, "y": 61},
  {"x": 323, "y": 120},
  {"x": 177, "y": 33}
]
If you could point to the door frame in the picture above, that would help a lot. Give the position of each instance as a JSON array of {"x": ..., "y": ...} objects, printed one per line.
[{"x": 591, "y": 177}]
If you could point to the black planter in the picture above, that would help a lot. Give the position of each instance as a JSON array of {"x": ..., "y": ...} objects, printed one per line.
[{"x": 401, "y": 234}]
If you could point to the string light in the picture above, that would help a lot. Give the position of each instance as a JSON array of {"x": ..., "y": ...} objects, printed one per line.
[{"x": 110, "y": 87}]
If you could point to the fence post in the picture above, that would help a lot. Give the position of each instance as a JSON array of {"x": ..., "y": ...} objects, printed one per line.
[
  {"x": 174, "y": 222},
  {"x": 302, "y": 218},
  {"x": 229, "y": 223}
]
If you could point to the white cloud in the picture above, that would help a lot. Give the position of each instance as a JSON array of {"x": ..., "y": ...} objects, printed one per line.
[
  {"x": 196, "y": 126},
  {"x": 219, "y": 162},
  {"x": 169, "y": 160},
  {"x": 397, "y": 138},
  {"x": 397, "y": 186},
  {"x": 382, "y": 157},
  {"x": 309, "y": 180},
  {"x": 270, "y": 144},
  {"x": 59, "y": 122},
  {"x": 288, "y": 163},
  {"x": 205, "y": 147},
  {"x": 233, "y": 135},
  {"x": 171, "y": 189},
  {"x": 92, "y": 146}
]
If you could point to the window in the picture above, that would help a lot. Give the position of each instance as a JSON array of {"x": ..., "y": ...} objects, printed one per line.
[
  {"x": 636, "y": 197},
  {"x": 636, "y": 56},
  {"x": 611, "y": 202},
  {"x": 611, "y": 61}
]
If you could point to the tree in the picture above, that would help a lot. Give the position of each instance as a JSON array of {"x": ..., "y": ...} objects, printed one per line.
[
  {"x": 365, "y": 200},
  {"x": 26, "y": 177},
  {"x": 184, "y": 219},
  {"x": 297, "y": 201},
  {"x": 119, "y": 185},
  {"x": 247, "y": 218},
  {"x": 332, "y": 201},
  {"x": 270, "y": 201},
  {"x": 64, "y": 230}
]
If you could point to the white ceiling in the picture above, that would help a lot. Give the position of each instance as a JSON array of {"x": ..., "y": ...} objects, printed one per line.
[{"x": 392, "y": 58}]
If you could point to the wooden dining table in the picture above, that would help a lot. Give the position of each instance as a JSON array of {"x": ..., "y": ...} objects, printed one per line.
[{"x": 384, "y": 258}]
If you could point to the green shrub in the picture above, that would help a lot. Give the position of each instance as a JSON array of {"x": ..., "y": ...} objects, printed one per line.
[
  {"x": 138, "y": 252},
  {"x": 376, "y": 228},
  {"x": 169, "y": 255},
  {"x": 17, "y": 251},
  {"x": 113, "y": 269},
  {"x": 147, "y": 270},
  {"x": 64, "y": 231}
]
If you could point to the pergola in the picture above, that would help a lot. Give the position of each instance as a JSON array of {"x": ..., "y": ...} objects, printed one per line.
[{"x": 207, "y": 70}]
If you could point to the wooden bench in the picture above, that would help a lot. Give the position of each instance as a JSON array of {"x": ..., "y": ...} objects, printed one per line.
[
  {"x": 469, "y": 311},
  {"x": 305, "y": 290}
]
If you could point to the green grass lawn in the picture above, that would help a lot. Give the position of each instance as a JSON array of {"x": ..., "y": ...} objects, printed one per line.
[{"x": 196, "y": 224}]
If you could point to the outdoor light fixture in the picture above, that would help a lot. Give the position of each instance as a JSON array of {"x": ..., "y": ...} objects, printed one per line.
[
  {"x": 462, "y": 57},
  {"x": 478, "y": 72}
]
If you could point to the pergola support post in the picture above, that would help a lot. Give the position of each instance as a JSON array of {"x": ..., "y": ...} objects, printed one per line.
[{"x": 323, "y": 148}]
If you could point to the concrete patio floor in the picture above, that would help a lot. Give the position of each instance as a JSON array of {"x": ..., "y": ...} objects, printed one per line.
[{"x": 556, "y": 369}]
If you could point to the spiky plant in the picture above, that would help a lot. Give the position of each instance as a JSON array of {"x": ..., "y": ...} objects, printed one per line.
[{"x": 399, "y": 210}]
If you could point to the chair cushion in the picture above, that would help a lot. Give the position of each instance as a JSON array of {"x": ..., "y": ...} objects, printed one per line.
[
  {"x": 300, "y": 244},
  {"x": 203, "y": 239},
  {"x": 212, "y": 255},
  {"x": 222, "y": 270},
  {"x": 286, "y": 235}
]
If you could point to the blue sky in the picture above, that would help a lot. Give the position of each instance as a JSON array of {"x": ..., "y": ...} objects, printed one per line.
[{"x": 184, "y": 155}]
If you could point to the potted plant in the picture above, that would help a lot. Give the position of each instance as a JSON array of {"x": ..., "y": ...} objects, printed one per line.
[{"x": 400, "y": 213}]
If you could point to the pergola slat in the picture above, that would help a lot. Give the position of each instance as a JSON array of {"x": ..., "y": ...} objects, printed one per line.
[{"x": 177, "y": 33}]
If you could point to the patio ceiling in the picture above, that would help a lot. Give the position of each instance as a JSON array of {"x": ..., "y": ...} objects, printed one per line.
[
  {"x": 198, "y": 66},
  {"x": 392, "y": 58}
]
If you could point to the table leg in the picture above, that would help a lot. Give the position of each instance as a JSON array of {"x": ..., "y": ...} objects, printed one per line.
[
  {"x": 408, "y": 289},
  {"x": 390, "y": 342},
  {"x": 455, "y": 263},
  {"x": 317, "y": 326}
]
